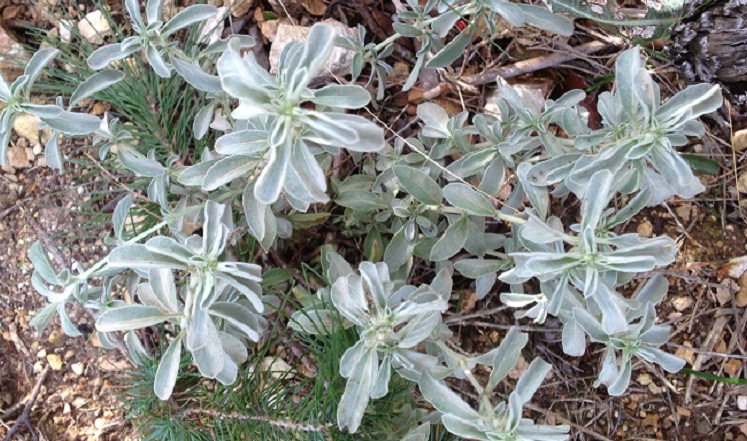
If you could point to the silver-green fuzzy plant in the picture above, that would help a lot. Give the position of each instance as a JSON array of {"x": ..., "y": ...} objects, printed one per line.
[
  {"x": 222, "y": 302},
  {"x": 153, "y": 35},
  {"x": 392, "y": 320},
  {"x": 502, "y": 422},
  {"x": 273, "y": 158},
  {"x": 218, "y": 309},
  {"x": 17, "y": 99},
  {"x": 580, "y": 269},
  {"x": 639, "y": 133},
  {"x": 421, "y": 21},
  {"x": 291, "y": 130},
  {"x": 273, "y": 145}
]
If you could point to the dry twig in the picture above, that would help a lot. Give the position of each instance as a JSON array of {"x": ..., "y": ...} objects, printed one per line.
[{"x": 25, "y": 418}]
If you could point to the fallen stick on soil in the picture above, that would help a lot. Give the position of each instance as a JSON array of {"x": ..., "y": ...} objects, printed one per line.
[
  {"x": 522, "y": 67},
  {"x": 534, "y": 64},
  {"x": 25, "y": 418}
]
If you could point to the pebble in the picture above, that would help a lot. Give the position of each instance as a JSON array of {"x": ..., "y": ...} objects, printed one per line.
[
  {"x": 277, "y": 367},
  {"x": 77, "y": 368},
  {"x": 94, "y": 27},
  {"x": 723, "y": 295},
  {"x": 687, "y": 355},
  {"x": 645, "y": 229},
  {"x": 741, "y": 298},
  {"x": 17, "y": 158},
  {"x": 742, "y": 402},
  {"x": 57, "y": 338},
  {"x": 732, "y": 367},
  {"x": 739, "y": 140},
  {"x": 55, "y": 361},
  {"x": 682, "y": 303},
  {"x": 339, "y": 61},
  {"x": 42, "y": 353},
  {"x": 742, "y": 183},
  {"x": 736, "y": 267},
  {"x": 654, "y": 389},
  {"x": 27, "y": 126}
]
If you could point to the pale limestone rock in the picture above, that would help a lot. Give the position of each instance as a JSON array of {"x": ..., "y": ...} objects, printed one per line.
[
  {"x": 742, "y": 183},
  {"x": 17, "y": 158},
  {"x": 339, "y": 62},
  {"x": 65, "y": 27},
  {"x": 27, "y": 126},
  {"x": 94, "y": 27},
  {"x": 682, "y": 303},
  {"x": 739, "y": 140},
  {"x": 55, "y": 361},
  {"x": 645, "y": 229},
  {"x": 213, "y": 27},
  {"x": 77, "y": 368},
  {"x": 277, "y": 367}
]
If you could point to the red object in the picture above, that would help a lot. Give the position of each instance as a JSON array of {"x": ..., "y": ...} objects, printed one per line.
[{"x": 462, "y": 24}]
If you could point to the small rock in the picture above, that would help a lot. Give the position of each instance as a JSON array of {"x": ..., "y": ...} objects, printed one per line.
[
  {"x": 57, "y": 338},
  {"x": 55, "y": 361},
  {"x": 723, "y": 295},
  {"x": 644, "y": 379},
  {"x": 277, "y": 367},
  {"x": 77, "y": 368},
  {"x": 37, "y": 149},
  {"x": 519, "y": 368},
  {"x": 742, "y": 183},
  {"x": 17, "y": 158},
  {"x": 269, "y": 28},
  {"x": 66, "y": 408},
  {"x": 732, "y": 367},
  {"x": 111, "y": 364},
  {"x": 340, "y": 60},
  {"x": 65, "y": 27},
  {"x": 739, "y": 140},
  {"x": 654, "y": 389},
  {"x": 687, "y": 355},
  {"x": 212, "y": 29},
  {"x": 38, "y": 367},
  {"x": 683, "y": 211},
  {"x": 645, "y": 229},
  {"x": 741, "y": 298},
  {"x": 735, "y": 268},
  {"x": 535, "y": 92},
  {"x": 240, "y": 8},
  {"x": 682, "y": 303},
  {"x": 27, "y": 126},
  {"x": 98, "y": 108},
  {"x": 42, "y": 353},
  {"x": 742, "y": 402},
  {"x": 94, "y": 27}
]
